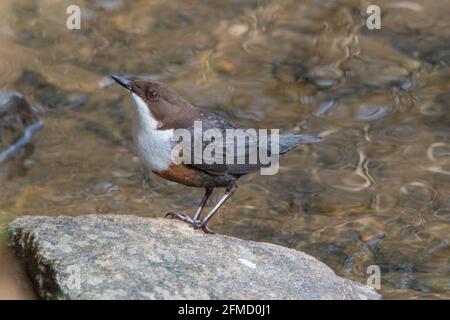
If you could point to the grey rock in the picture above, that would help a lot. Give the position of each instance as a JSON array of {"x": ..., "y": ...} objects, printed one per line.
[
  {"x": 15, "y": 115},
  {"x": 129, "y": 257},
  {"x": 17, "y": 122}
]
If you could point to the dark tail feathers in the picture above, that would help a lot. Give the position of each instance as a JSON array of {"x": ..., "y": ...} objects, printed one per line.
[{"x": 290, "y": 141}]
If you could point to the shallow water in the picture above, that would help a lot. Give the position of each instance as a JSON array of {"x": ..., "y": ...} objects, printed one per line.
[{"x": 376, "y": 192}]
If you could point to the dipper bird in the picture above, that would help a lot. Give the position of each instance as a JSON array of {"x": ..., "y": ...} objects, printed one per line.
[{"x": 158, "y": 112}]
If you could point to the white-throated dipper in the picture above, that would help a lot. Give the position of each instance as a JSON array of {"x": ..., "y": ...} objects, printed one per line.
[{"x": 158, "y": 112}]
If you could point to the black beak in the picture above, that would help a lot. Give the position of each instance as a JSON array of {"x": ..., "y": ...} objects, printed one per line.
[{"x": 122, "y": 81}]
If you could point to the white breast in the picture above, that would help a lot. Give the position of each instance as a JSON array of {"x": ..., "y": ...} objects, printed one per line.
[{"x": 154, "y": 146}]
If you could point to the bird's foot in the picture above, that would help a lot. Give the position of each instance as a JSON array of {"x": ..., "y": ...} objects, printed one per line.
[
  {"x": 196, "y": 224},
  {"x": 204, "y": 228},
  {"x": 180, "y": 216}
]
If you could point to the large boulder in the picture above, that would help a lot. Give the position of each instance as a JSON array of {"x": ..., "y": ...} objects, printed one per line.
[{"x": 129, "y": 257}]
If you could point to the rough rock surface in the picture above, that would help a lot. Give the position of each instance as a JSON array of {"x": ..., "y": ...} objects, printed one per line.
[{"x": 129, "y": 257}]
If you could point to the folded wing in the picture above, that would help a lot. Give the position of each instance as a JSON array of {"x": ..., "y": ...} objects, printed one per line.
[{"x": 227, "y": 149}]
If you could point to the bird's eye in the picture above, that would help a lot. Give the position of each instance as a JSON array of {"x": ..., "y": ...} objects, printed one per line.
[{"x": 153, "y": 94}]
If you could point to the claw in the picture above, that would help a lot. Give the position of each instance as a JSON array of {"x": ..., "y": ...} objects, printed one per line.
[
  {"x": 196, "y": 224},
  {"x": 179, "y": 216},
  {"x": 206, "y": 229},
  {"x": 203, "y": 226}
]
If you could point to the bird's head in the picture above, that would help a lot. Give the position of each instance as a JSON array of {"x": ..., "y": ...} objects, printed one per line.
[{"x": 160, "y": 101}]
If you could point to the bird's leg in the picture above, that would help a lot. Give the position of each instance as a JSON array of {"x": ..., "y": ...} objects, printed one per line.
[
  {"x": 208, "y": 192},
  {"x": 188, "y": 219},
  {"x": 203, "y": 224}
]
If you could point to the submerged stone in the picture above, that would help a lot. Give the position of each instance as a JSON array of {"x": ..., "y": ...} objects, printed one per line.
[{"x": 15, "y": 115}]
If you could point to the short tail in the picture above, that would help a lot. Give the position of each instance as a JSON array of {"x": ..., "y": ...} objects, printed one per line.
[{"x": 290, "y": 141}]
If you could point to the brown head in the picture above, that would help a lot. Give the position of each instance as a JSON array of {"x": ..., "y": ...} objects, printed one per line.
[{"x": 167, "y": 107}]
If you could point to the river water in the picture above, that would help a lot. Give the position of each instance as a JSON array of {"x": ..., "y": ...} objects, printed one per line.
[{"x": 377, "y": 192}]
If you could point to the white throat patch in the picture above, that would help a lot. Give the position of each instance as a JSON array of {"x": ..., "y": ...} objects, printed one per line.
[
  {"x": 154, "y": 146},
  {"x": 143, "y": 113}
]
